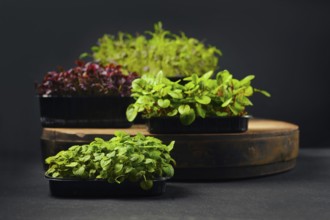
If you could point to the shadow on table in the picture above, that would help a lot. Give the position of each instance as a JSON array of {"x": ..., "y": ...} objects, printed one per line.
[
  {"x": 173, "y": 191},
  {"x": 312, "y": 165}
]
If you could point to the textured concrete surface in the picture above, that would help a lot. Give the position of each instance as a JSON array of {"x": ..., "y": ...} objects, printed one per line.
[{"x": 302, "y": 193}]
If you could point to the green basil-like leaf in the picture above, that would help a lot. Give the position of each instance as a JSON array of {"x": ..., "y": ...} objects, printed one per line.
[
  {"x": 163, "y": 103},
  {"x": 120, "y": 179},
  {"x": 200, "y": 111},
  {"x": 247, "y": 80},
  {"x": 222, "y": 114},
  {"x": 246, "y": 101},
  {"x": 105, "y": 164},
  {"x": 184, "y": 109},
  {"x": 248, "y": 91},
  {"x": 170, "y": 146},
  {"x": 227, "y": 102},
  {"x": 168, "y": 169},
  {"x": 146, "y": 184},
  {"x": 149, "y": 160},
  {"x": 175, "y": 94},
  {"x": 203, "y": 99},
  {"x": 233, "y": 110},
  {"x": 135, "y": 157},
  {"x": 224, "y": 77},
  {"x": 188, "y": 118},
  {"x": 131, "y": 113},
  {"x": 85, "y": 158},
  {"x": 72, "y": 164},
  {"x": 118, "y": 167},
  {"x": 79, "y": 171},
  {"x": 128, "y": 169},
  {"x": 207, "y": 75},
  {"x": 122, "y": 150},
  {"x": 144, "y": 100},
  {"x": 265, "y": 93},
  {"x": 172, "y": 113},
  {"x": 55, "y": 174}
]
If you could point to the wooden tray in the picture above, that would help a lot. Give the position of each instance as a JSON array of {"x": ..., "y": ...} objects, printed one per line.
[{"x": 268, "y": 147}]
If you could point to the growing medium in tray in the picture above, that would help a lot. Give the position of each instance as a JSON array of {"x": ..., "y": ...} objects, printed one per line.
[
  {"x": 139, "y": 158},
  {"x": 198, "y": 98}
]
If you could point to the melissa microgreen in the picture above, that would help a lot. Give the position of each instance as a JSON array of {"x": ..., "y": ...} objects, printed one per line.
[{"x": 176, "y": 55}]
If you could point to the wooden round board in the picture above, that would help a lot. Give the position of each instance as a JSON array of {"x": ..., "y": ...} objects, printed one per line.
[{"x": 268, "y": 147}]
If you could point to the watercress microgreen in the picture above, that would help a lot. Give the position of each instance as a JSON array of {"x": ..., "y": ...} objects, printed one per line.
[{"x": 124, "y": 157}]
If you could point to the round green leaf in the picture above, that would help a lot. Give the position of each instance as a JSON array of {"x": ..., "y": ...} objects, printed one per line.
[
  {"x": 79, "y": 171},
  {"x": 163, "y": 103},
  {"x": 168, "y": 169},
  {"x": 184, "y": 109},
  {"x": 203, "y": 99},
  {"x": 146, "y": 184},
  {"x": 118, "y": 167},
  {"x": 188, "y": 118}
]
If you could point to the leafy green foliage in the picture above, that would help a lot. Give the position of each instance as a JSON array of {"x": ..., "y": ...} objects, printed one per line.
[
  {"x": 176, "y": 55},
  {"x": 197, "y": 97},
  {"x": 124, "y": 157}
]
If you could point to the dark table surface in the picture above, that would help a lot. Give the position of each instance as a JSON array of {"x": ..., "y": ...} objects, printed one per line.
[{"x": 303, "y": 193}]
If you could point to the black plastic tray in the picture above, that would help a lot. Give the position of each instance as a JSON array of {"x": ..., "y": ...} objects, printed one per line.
[
  {"x": 84, "y": 112},
  {"x": 102, "y": 188},
  {"x": 172, "y": 125}
]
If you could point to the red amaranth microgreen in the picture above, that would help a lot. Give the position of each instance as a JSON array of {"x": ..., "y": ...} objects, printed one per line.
[{"x": 87, "y": 79}]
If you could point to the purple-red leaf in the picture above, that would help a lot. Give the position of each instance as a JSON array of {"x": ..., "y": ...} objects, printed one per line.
[{"x": 87, "y": 79}]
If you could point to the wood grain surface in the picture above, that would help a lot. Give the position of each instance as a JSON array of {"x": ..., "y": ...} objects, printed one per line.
[{"x": 267, "y": 147}]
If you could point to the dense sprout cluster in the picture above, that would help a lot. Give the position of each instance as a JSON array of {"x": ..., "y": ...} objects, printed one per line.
[
  {"x": 176, "y": 55},
  {"x": 136, "y": 158},
  {"x": 87, "y": 79},
  {"x": 198, "y": 97}
]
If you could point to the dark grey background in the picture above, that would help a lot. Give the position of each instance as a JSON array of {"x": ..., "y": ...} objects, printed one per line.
[{"x": 284, "y": 43}]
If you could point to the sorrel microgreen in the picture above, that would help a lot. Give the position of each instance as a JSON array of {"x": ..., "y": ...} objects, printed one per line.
[{"x": 198, "y": 97}]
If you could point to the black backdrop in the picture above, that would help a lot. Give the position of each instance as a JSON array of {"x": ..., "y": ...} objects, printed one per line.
[{"x": 285, "y": 43}]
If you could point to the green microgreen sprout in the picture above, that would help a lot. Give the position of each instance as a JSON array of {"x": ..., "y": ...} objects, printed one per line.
[
  {"x": 199, "y": 96},
  {"x": 176, "y": 55},
  {"x": 134, "y": 158}
]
